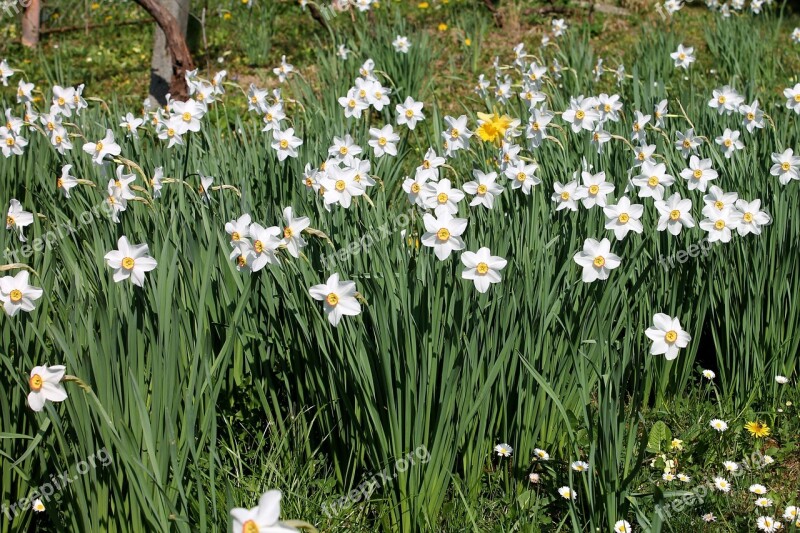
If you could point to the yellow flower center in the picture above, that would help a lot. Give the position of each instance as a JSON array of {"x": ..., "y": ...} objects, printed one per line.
[
  {"x": 719, "y": 224},
  {"x": 99, "y": 146},
  {"x": 343, "y": 150},
  {"x": 482, "y": 189},
  {"x": 674, "y": 214},
  {"x": 607, "y": 108},
  {"x": 382, "y": 141},
  {"x": 671, "y": 336},
  {"x": 687, "y": 143},
  {"x": 127, "y": 263},
  {"x": 351, "y": 104},
  {"x": 9, "y": 221},
  {"x": 580, "y": 114},
  {"x": 441, "y": 198},
  {"x": 409, "y": 113},
  {"x": 235, "y": 236},
  {"x": 721, "y": 99},
  {"x": 332, "y": 299},
  {"x": 751, "y": 116},
  {"x": 785, "y": 166},
  {"x": 250, "y": 527},
  {"x": 697, "y": 174},
  {"x": 362, "y": 93},
  {"x": 681, "y": 56},
  {"x": 599, "y": 261},
  {"x": 565, "y": 196},
  {"x": 308, "y": 182},
  {"x": 727, "y": 143},
  {"x": 241, "y": 261},
  {"x": 624, "y": 218},
  {"x": 15, "y": 295},
  {"x": 454, "y": 133},
  {"x": 535, "y": 126},
  {"x": 747, "y": 217},
  {"x": 268, "y": 117},
  {"x": 258, "y": 246},
  {"x": 426, "y": 164},
  {"x": 187, "y": 117},
  {"x": 797, "y": 97},
  {"x": 59, "y": 183},
  {"x": 36, "y": 382},
  {"x": 253, "y": 99},
  {"x": 594, "y": 189},
  {"x": 170, "y": 132},
  {"x": 284, "y": 144},
  {"x": 640, "y": 156},
  {"x": 521, "y": 176},
  {"x": 443, "y": 234},
  {"x": 636, "y": 126},
  {"x": 58, "y": 139},
  {"x": 340, "y": 185},
  {"x": 718, "y": 204},
  {"x": 653, "y": 181},
  {"x": 50, "y": 126},
  {"x": 482, "y": 268},
  {"x": 415, "y": 188},
  {"x": 10, "y": 141},
  {"x": 61, "y": 101}
]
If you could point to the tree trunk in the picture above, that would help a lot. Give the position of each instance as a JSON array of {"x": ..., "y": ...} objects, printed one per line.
[
  {"x": 30, "y": 23},
  {"x": 171, "y": 57}
]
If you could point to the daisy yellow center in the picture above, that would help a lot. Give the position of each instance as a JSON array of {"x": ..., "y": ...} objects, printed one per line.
[
  {"x": 454, "y": 133},
  {"x": 747, "y": 217},
  {"x": 441, "y": 198},
  {"x": 671, "y": 336},
  {"x": 482, "y": 189},
  {"x": 599, "y": 261},
  {"x": 719, "y": 224},
  {"x": 258, "y": 246},
  {"x": 785, "y": 166},
  {"x": 483, "y": 268},
  {"x": 674, "y": 214},
  {"x": 409, "y": 113},
  {"x": 382, "y": 141},
  {"x": 284, "y": 144},
  {"x": 15, "y": 295},
  {"x": 521, "y": 176},
  {"x": 697, "y": 174},
  {"x": 36, "y": 382},
  {"x": 718, "y": 204},
  {"x": 187, "y": 116},
  {"x": 340, "y": 185},
  {"x": 235, "y": 236},
  {"x": 288, "y": 232},
  {"x": 594, "y": 189},
  {"x": 565, "y": 196},
  {"x": 624, "y": 217},
  {"x": 580, "y": 114},
  {"x": 443, "y": 234},
  {"x": 653, "y": 181},
  {"x": 332, "y": 299},
  {"x": 127, "y": 263},
  {"x": 415, "y": 188}
]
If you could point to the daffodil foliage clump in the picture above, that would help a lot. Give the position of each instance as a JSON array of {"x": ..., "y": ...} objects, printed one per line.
[{"x": 503, "y": 282}]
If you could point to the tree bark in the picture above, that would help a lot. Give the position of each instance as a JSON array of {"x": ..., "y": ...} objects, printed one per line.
[
  {"x": 30, "y": 23},
  {"x": 171, "y": 56}
]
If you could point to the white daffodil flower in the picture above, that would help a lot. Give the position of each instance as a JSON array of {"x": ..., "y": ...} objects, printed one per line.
[
  {"x": 17, "y": 295},
  {"x": 130, "y": 261},
  {"x": 597, "y": 260},
  {"x": 482, "y": 268},
  {"x": 339, "y": 298},
  {"x": 667, "y": 335},
  {"x": 45, "y": 384}
]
